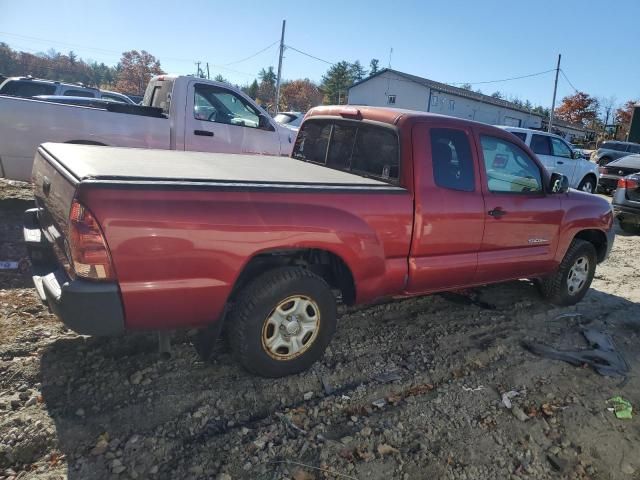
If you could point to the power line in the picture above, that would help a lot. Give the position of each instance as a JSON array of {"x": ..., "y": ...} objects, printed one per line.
[
  {"x": 503, "y": 79},
  {"x": 309, "y": 55},
  {"x": 568, "y": 81},
  {"x": 253, "y": 55}
]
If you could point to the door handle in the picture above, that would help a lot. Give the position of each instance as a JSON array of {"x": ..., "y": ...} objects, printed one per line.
[
  {"x": 203, "y": 133},
  {"x": 497, "y": 212},
  {"x": 560, "y": 162}
]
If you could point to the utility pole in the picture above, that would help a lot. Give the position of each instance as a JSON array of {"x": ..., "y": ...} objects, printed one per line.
[
  {"x": 284, "y": 23},
  {"x": 553, "y": 102},
  {"x": 208, "y": 77}
]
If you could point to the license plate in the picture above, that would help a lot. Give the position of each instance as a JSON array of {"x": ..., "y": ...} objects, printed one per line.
[{"x": 4, "y": 265}]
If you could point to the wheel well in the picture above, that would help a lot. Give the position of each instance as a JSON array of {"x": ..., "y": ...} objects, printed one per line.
[
  {"x": 323, "y": 263},
  {"x": 592, "y": 175},
  {"x": 86, "y": 142},
  {"x": 598, "y": 239}
]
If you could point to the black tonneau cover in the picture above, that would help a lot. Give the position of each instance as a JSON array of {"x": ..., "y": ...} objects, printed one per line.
[{"x": 134, "y": 165}]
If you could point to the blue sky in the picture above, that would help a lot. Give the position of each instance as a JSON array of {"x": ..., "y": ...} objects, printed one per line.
[{"x": 452, "y": 41}]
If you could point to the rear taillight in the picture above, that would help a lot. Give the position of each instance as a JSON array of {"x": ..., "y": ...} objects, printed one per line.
[
  {"x": 89, "y": 253},
  {"x": 628, "y": 183},
  {"x": 603, "y": 170}
]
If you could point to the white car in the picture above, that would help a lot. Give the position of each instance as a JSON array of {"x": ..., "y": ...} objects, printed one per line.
[
  {"x": 557, "y": 156},
  {"x": 177, "y": 113},
  {"x": 29, "y": 87}
]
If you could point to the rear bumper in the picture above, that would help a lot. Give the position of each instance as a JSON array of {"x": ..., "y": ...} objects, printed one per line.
[
  {"x": 608, "y": 182},
  {"x": 629, "y": 213},
  {"x": 89, "y": 308}
]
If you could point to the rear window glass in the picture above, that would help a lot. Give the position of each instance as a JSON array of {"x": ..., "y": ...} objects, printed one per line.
[
  {"x": 356, "y": 147},
  {"x": 540, "y": 144},
  {"x": 612, "y": 146},
  {"x": 78, "y": 93},
  {"x": 451, "y": 159},
  {"x": 27, "y": 88}
]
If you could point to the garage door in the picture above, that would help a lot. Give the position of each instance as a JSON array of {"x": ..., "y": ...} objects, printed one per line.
[{"x": 512, "y": 122}]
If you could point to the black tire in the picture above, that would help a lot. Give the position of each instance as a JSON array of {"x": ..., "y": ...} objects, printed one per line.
[
  {"x": 603, "y": 161},
  {"x": 590, "y": 181},
  {"x": 631, "y": 228},
  {"x": 555, "y": 287},
  {"x": 257, "y": 302}
]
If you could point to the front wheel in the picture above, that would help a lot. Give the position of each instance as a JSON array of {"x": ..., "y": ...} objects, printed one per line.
[
  {"x": 282, "y": 322},
  {"x": 588, "y": 184},
  {"x": 569, "y": 284}
]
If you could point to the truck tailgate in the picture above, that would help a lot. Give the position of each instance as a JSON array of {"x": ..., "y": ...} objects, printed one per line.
[{"x": 54, "y": 190}]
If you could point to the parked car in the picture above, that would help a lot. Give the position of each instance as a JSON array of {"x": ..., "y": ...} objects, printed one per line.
[
  {"x": 195, "y": 114},
  {"x": 85, "y": 101},
  {"x": 612, "y": 150},
  {"x": 290, "y": 119},
  {"x": 626, "y": 203},
  {"x": 557, "y": 156},
  {"x": 615, "y": 170},
  {"x": 374, "y": 203},
  {"x": 28, "y": 87}
]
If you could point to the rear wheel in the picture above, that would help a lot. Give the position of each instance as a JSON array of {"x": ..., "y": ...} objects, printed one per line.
[
  {"x": 282, "y": 322},
  {"x": 574, "y": 276},
  {"x": 588, "y": 184}
]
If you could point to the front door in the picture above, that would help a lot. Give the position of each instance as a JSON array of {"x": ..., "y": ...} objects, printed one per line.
[
  {"x": 219, "y": 120},
  {"x": 449, "y": 208},
  {"x": 541, "y": 146},
  {"x": 565, "y": 163},
  {"x": 522, "y": 221}
]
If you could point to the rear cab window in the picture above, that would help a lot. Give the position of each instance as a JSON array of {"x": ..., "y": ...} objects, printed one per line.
[
  {"x": 451, "y": 159},
  {"x": 351, "y": 146}
]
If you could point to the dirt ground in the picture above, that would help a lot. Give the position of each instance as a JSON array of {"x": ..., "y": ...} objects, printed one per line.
[{"x": 407, "y": 390}]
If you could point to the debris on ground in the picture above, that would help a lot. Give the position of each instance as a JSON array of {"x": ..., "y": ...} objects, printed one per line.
[
  {"x": 602, "y": 356},
  {"x": 621, "y": 408}
]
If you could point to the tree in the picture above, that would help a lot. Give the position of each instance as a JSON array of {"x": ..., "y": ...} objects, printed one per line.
[
  {"x": 496, "y": 94},
  {"x": 373, "y": 66},
  {"x": 299, "y": 95},
  {"x": 466, "y": 86},
  {"x": 252, "y": 89},
  {"x": 357, "y": 71},
  {"x": 623, "y": 118},
  {"x": 336, "y": 82},
  {"x": 136, "y": 69},
  {"x": 266, "y": 94},
  {"x": 220, "y": 78},
  {"x": 607, "y": 104},
  {"x": 579, "y": 108},
  {"x": 72, "y": 57}
]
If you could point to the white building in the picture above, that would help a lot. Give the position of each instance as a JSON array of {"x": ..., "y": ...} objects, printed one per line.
[{"x": 396, "y": 89}]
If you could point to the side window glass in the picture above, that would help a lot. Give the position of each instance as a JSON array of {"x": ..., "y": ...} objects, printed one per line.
[
  {"x": 78, "y": 93},
  {"x": 509, "y": 169},
  {"x": 451, "y": 159},
  {"x": 560, "y": 149},
  {"x": 521, "y": 135},
  {"x": 634, "y": 148},
  {"x": 540, "y": 145},
  {"x": 216, "y": 104}
]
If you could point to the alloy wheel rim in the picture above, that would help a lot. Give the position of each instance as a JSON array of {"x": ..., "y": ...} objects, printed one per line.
[
  {"x": 587, "y": 187},
  {"x": 578, "y": 274},
  {"x": 291, "y": 328}
]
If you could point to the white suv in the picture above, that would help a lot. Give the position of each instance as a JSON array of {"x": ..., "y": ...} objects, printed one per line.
[
  {"x": 29, "y": 87},
  {"x": 557, "y": 156}
]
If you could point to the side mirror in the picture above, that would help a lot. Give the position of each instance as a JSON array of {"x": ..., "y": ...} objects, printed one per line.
[
  {"x": 575, "y": 154},
  {"x": 559, "y": 183},
  {"x": 264, "y": 123}
]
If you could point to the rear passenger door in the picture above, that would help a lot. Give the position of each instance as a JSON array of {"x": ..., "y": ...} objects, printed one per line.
[
  {"x": 449, "y": 208},
  {"x": 564, "y": 161},
  {"x": 522, "y": 221}
]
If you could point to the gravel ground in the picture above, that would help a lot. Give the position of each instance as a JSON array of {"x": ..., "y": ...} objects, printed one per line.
[{"x": 410, "y": 389}]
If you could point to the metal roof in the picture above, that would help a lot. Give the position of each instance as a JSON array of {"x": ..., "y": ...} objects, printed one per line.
[{"x": 443, "y": 87}]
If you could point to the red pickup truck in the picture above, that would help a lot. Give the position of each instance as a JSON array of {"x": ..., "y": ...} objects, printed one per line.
[{"x": 373, "y": 203}]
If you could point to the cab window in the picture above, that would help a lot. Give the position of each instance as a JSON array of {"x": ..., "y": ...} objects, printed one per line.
[
  {"x": 509, "y": 169},
  {"x": 451, "y": 159},
  {"x": 216, "y": 104},
  {"x": 357, "y": 147}
]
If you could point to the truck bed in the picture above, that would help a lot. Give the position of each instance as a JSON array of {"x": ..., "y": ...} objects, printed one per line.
[{"x": 135, "y": 165}]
